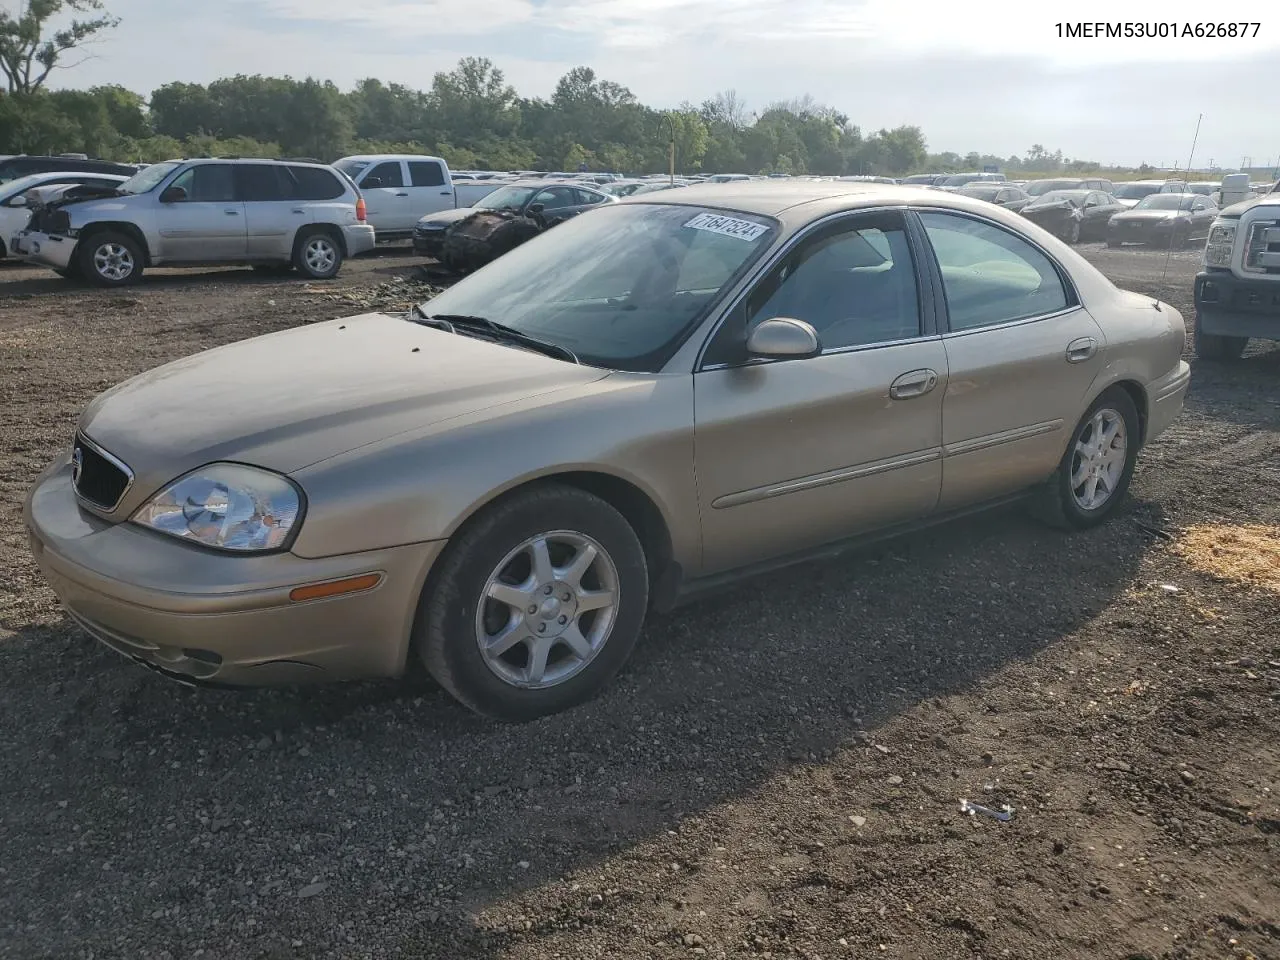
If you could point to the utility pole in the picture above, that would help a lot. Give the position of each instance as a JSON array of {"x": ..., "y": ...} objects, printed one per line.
[{"x": 671, "y": 148}]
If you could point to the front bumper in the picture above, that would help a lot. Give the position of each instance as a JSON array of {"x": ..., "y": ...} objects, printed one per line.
[
  {"x": 216, "y": 618},
  {"x": 43, "y": 248},
  {"x": 1166, "y": 397},
  {"x": 1135, "y": 231},
  {"x": 1228, "y": 306},
  {"x": 428, "y": 243},
  {"x": 360, "y": 238}
]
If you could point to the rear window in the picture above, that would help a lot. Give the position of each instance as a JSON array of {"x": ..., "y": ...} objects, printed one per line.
[
  {"x": 426, "y": 173},
  {"x": 316, "y": 183}
]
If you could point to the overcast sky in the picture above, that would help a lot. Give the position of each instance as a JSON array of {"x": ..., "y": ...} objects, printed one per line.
[{"x": 993, "y": 76}]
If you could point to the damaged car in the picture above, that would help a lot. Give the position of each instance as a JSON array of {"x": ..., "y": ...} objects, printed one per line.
[
  {"x": 15, "y": 205},
  {"x": 1073, "y": 215},
  {"x": 263, "y": 213},
  {"x": 468, "y": 238}
]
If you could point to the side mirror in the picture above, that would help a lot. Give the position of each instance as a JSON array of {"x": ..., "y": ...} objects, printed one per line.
[
  {"x": 174, "y": 195},
  {"x": 784, "y": 337},
  {"x": 370, "y": 183},
  {"x": 18, "y": 201},
  {"x": 535, "y": 209}
]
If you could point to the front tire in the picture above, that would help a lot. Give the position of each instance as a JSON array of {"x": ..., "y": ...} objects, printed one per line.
[
  {"x": 536, "y": 606},
  {"x": 1210, "y": 346},
  {"x": 318, "y": 255},
  {"x": 1094, "y": 474},
  {"x": 110, "y": 259}
]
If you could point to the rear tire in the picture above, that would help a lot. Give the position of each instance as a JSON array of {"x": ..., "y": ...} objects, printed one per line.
[
  {"x": 317, "y": 254},
  {"x": 1094, "y": 474},
  {"x": 1210, "y": 346},
  {"x": 461, "y": 616},
  {"x": 109, "y": 259}
]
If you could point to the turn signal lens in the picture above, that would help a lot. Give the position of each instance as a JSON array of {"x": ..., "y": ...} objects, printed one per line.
[
  {"x": 361, "y": 210},
  {"x": 334, "y": 588}
]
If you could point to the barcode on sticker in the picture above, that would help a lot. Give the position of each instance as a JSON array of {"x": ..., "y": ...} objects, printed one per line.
[{"x": 727, "y": 226}]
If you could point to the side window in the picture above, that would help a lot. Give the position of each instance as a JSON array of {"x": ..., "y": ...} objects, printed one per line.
[
  {"x": 587, "y": 197},
  {"x": 854, "y": 282},
  {"x": 262, "y": 182},
  {"x": 389, "y": 173},
  {"x": 426, "y": 173},
  {"x": 990, "y": 275},
  {"x": 207, "y": 183},
  {"x": 555, "y": 197},
  {"x": 315, "y": 183}
]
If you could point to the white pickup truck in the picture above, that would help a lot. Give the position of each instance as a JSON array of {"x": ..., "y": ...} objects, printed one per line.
[{"x": 401, "y": 189}]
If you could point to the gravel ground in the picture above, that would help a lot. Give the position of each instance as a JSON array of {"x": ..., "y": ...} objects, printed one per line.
[{"x": 777, "y": 774}]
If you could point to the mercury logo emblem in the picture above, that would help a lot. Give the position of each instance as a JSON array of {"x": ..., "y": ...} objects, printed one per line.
[{"x": 77, "y": 465}]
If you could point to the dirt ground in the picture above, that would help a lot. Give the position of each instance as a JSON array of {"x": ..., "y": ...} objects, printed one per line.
[{"x": 779, "y": 773}]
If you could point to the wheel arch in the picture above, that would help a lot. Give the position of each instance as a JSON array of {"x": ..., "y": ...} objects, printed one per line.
[
  {"x": 119, "y": 226},
  {"x": 1137, "y": 393},
  {"x": 332, "y": 229}
]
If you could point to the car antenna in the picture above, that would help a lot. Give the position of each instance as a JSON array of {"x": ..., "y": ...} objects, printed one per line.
[{"x": 1173, "y": 233}]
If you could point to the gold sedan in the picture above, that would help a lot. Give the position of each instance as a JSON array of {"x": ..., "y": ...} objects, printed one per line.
[{"x": 660, "y": 395}]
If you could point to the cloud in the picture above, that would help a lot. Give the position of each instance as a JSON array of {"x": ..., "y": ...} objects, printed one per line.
[{"x": 993, "y": 78}]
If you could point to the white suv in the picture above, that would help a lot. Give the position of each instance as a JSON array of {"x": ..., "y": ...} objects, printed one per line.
[{"x": 201, "y": 212}]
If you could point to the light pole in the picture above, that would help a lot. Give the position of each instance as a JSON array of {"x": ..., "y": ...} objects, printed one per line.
[{"x": 671, "y": 147}]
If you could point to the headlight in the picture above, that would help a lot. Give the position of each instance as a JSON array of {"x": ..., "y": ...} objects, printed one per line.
[
  {"x": 227, "y": 506},
  {"x": 1222, "y": 236}
]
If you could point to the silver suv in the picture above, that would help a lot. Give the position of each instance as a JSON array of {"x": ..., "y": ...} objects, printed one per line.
[{"x": 201, "y": 212}]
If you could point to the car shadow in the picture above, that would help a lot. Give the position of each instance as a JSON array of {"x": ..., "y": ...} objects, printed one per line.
[{"x": 721, "y": 696}]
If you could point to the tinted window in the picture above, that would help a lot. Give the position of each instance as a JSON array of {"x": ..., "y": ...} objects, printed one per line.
[
  {"x": 389, "y": 173},
  {"x": 555, "y": 197},
  {"x": 260, "y": 182},
  {"x": 315, "y": 183},
  {"x": 588, "y": 196},
  {"x": 425, "y": 173},
  {"x": 208, "y": 183},
  {"x": 854, "y": 283},
  {"x": 989, "y": 275}
]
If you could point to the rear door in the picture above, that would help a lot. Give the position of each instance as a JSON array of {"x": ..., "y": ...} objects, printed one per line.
[
  {"x": 209, "y": 225},
  {"x": 386, "y": 197},
  {"x": 429, "y": 189},
  {"x": 1022, "y": 353},
  {"x": 272, "y": 215}
]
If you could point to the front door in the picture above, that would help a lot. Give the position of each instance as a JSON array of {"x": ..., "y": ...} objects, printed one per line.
[
  {"x": 207, "y": 226},
  {"x": 795, "y": 453},
  {"x": 386, "y": 198},
  {"x": 1023, "y": 356}
]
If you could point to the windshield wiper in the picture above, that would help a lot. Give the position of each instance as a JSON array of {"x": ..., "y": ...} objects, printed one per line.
[{"x": 454, "y": 322}]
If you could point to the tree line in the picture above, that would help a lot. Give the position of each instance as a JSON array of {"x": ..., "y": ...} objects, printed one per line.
[{"x": 470, "y": 116}]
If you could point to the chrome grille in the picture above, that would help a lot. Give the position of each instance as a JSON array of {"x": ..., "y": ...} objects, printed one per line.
[{"x": 98, "y": 477}]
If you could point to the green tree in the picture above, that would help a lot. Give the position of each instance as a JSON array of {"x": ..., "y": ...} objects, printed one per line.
[{"x": 29, "y": 52}]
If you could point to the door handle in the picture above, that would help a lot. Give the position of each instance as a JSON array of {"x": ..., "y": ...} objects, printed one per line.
[
  {"x": 1081, "y": 349},
  {"x": 916, "y": 383},
  {"x": 401, "y": 194},
  {"x": 298, "y": 210},
  {"x": 232, "y": 213},
  {"x": 446, "y": 193}
]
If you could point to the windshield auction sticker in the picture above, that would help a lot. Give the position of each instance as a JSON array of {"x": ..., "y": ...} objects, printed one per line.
[{"x": 727, "y": 226}]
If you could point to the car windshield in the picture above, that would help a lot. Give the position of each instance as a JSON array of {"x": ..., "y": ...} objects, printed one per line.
[
  {"x": 1204, "y": 189},
  {"x": 1135, "y": 191},
  {"x": 1057, "y": 196},
  {"x": 507, "y": 198},
  {"x": 352, "y": 168},
  {"x": 621, "y": 286},
  {"x": 1164, "y": 201},
  {"x": 149, "y": 178},
  {"x": 1038, "y": 188},
  {"x": 981, "y": 193}
]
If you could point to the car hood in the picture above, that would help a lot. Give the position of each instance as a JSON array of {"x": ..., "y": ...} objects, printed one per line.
[
  {"x": 1239, "y": 209},
  {"x": 287, "y": 400},
  {"x": 1149, "y": 216},
  {"x": 1057, "y": 207},
  {"x": 446, "y": 217}
]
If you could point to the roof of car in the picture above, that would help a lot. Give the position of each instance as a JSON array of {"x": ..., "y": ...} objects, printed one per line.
[{"x": 771, "y": 198}]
